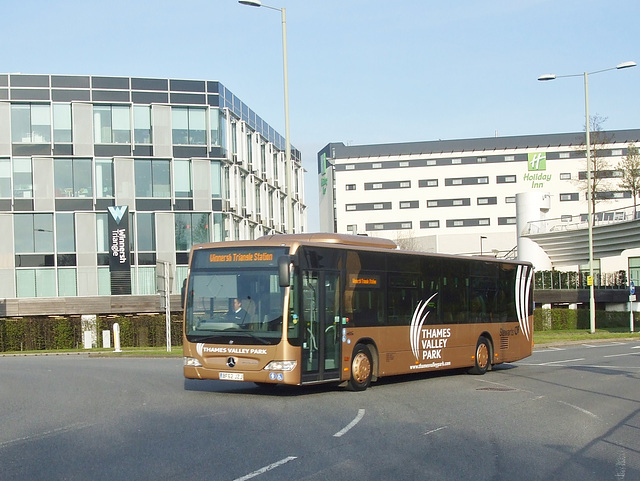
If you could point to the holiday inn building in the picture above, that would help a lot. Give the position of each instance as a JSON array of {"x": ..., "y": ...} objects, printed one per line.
[
  {"x": 461, "y": 196},
  {"x": 103, "y": 178}
]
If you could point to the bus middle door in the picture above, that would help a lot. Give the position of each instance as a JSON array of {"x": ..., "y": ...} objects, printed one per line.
[{"x": 321, "y": 294}]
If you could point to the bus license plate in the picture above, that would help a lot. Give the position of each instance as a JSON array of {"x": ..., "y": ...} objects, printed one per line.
[{"x": 231, "y": 376}]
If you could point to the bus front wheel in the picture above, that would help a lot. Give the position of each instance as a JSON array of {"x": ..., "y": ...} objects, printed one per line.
[
  {"x": 361, "y": 368},
  {"x": 482, "y": 357}
]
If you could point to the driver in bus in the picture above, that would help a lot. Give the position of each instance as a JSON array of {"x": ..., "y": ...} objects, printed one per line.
[{"x": 237, "y": 314}]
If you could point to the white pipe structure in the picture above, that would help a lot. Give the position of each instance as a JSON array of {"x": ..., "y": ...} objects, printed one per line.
[{"x": 592, "y": 299}]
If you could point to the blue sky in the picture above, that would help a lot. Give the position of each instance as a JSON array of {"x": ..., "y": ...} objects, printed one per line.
[{"x": 360, "y": 72}]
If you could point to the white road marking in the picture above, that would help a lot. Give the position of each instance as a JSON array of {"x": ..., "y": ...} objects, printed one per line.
[
  {"x": 45, "y": 434},
  {"x": 584, "y": 411},
  {"x": 618, "y": 355},
  {"x": 435, "y": 430},
  {"x": 266, "y": 468},
  {"x": 559, "y": 362},
  {"x": 357, "y": 419}
]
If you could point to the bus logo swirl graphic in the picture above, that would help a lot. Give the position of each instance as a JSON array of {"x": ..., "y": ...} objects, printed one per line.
[{"x": 417, "y": 321}]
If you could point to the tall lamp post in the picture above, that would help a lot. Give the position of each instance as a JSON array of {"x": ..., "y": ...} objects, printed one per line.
[
  {"x": 287, "y": 142},
  {"x": 590, "y": 193}
]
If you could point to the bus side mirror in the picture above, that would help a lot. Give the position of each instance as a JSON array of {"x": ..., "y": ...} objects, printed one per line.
[{"x": 284, "y": 271}]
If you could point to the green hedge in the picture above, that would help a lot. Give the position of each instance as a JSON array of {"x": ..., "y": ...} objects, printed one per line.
[
  {"x": 563, "y": 319},
  {"x": 51, "y": 333}
]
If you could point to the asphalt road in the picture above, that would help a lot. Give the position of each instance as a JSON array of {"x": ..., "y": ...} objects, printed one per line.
[{"x": 570, "y": 413}]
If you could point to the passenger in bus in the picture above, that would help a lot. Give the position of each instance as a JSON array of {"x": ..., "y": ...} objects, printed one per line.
[{"x": 238, "y": 314}]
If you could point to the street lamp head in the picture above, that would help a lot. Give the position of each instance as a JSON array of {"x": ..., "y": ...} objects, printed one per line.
[
  {"x": 626, "y": 65},
  {"x": 251, "y": 3},
  {"x": 548, "y": 76}
]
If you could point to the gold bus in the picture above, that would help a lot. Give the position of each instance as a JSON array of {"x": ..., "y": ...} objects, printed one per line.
[{"x": 311, "y": 308}]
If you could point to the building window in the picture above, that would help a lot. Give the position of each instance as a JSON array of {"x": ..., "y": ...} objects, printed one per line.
[
  {"x": 397, "y": 184},
  {"x": 466, "y": 181},
  {"x": 481, "y": 160},
  {"x": 182, "y": 178},
  {"x": 104, "y": 178},
  {"x": 351, "y": 207},
  {"x": 575, "y": 196},
  {"x": 565, "y": 176},
  {"x": 350, "y": 187},
  {"x": 142, "y": 124},
  {"x": 352, "y": 229},
  {"x": 403, "y": 164},
  {"x": 468, "y": 222},
  {"x": 509, "y": 158},
  {"x": 456, "y": 161},
  {"x": 65, "y": 233},
  {"x": 510, "y": 200},
  {"x": 30, "y": 124},
  {"x": 506, "y": 221},
  {"x": 22, "y": 177},
  {"x": 616, "y": 152},
  {"x": 566, "y": 218},
  {"x": 218, "y": 121},
  {"x": 72, "y": 177},
  {"x": 487, "y": 200},
  {"x": 146, "y": 231},
  {"x": 377, "y": 165},
  {"x": 5, "y": 178},
  {"x": 111, "y": 124},
  {"x": 62, "y": 123},
  {"x": 152, "y": 178},
  {"x": 506, "y": 179},
  {"x": 189, "y": 126},
  {"x": 33, "y": 233},
  {"x": 428, "y": 183},
  {"x": 429, "y": 224},
  {"x": 216, "y": 180},
  {"x": 431, "y": 162},
  {"x": 191, "y": 229},
  {"x": 350, "y": 167},
  {"x": 564, "y": 155},
  {"x": 410, "y": 204}
]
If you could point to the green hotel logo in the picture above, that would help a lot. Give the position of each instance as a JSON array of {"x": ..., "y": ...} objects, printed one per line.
[{"x": 537, "y": 161}]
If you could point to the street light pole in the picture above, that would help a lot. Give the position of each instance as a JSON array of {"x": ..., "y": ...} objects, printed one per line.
[
  {"x": 287, "y": 138},
  {"x": 590, "y": 190}
]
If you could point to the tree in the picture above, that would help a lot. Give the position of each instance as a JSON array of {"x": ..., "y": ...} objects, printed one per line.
[
  {"x": 630, "y": 167},
  {"x": 600, "y": 170}
]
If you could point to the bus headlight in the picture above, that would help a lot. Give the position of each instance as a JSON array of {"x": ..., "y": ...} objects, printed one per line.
[
  {"x": 281, "y": 366},
  {"x": 192, "y": 362}
]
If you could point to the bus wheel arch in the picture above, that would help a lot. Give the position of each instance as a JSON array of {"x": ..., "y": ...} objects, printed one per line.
[
  {"x": 363, "y": 366},
  {"x": 483, "y": 354}
]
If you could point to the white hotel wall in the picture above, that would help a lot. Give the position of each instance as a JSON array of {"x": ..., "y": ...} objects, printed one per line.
[{"x": 462, "y": 239}]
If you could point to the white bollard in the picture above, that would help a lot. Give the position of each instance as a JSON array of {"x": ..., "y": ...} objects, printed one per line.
[{"x": 116, "y": 336}]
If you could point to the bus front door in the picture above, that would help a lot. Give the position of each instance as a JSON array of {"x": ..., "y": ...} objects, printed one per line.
[{"x": 321, "y": 294}]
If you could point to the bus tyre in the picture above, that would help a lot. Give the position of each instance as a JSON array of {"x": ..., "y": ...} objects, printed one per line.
[
  {"x": 361, "y": 368},
  {"x": 482, "y": 357}
]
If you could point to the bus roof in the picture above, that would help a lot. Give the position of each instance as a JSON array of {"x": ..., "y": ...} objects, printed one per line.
[{"x": 330, "y": 238}]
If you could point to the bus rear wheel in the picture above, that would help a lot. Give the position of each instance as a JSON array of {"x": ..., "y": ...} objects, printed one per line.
[
  {"x": 482, "y": 357},
  {"x": 361, "y": 368}
]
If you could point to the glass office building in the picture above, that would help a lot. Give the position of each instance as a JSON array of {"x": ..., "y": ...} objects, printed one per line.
[{"x": 188, "y": 160}]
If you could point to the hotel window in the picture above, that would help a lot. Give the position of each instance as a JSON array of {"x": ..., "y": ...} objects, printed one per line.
[
  {"x": 429, "y": 224},
  {"x": 111, "y": 124},
  {"x": 62, "y": 123},
  {"x": 431, "y": 162},
  {"x": 349, "y": 167},
  {"x": 564, "y": 155},
  {"x": 30, "y": 124},
  {"x": 376, "y": 166},
  {"x": 350, "y": 187},
  {"x": 481, "y": 160},
  {"x": 506, "y": 220},
  {"x": 428, "y": 183},
  {"x": 509, "y": 158},
  {"x": 566, "y": 218},
  {"x": 506, "y": 179},
  {"x": 487, "y": 200},
  {"x": 142, "y": 124},
  {"x": 510, "y": 200},
  {"x": 616, "y": 152},
  {"x": 565, "y": 176},
  {"x": 410, "y": 204},
  {"x": 152, "y": 178},
  {"x": 575, "y": 196},
  {"x": 456, "y": 161},
  {"x": 72, "y": 177},
  {"x": 189, "y": 125},
  {"x": 404, "y": 164}
]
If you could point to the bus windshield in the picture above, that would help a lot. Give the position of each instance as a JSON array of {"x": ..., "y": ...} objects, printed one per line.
[{"x": 234, "y": 301}]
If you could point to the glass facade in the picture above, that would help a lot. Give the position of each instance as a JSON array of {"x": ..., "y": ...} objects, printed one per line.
[{"x": 148, "y": 144}]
